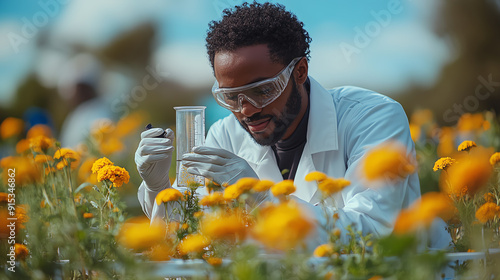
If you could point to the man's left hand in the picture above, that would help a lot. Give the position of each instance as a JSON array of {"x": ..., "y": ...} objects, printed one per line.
[{"x": 219, "y": 165}]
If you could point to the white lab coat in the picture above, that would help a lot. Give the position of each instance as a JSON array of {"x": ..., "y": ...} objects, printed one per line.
[{"x": 343, "y": 123}]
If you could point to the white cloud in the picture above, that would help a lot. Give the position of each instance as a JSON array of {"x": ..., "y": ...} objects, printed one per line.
[
  {"x": 186, "y": 63},
  {"x": 95, "y": 22}
]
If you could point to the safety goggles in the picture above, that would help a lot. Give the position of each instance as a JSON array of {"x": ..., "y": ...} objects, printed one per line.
[{"x": 259, "y": 94}]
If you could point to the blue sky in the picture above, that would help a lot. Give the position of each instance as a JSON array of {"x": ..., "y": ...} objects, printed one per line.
[{"x": 395, "y": 52}]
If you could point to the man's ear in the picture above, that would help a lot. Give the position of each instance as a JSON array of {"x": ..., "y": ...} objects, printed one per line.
[{"x": 301, "y": 70}]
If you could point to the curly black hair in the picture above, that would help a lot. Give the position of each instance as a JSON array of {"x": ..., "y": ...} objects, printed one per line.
[{"x": 253, "y": 24}]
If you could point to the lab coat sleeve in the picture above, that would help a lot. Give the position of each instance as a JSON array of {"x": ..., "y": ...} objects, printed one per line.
[{"x": 374, "y": 209}]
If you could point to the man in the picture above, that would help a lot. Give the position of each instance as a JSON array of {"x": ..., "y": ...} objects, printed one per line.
[{"x": 285, "y": 124}]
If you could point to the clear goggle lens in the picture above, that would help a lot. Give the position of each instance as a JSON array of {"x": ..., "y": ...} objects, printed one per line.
[{"x": 259, "y": 94}]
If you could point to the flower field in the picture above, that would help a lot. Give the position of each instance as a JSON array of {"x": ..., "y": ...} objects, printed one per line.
[{"x": 63, "y": 214}]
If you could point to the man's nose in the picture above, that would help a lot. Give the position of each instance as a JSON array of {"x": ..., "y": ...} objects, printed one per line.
[{"x": 246, "y": 108}]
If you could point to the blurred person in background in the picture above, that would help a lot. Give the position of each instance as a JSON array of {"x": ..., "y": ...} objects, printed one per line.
[
  {"x": 80, "y": 85},
  {"x": 284, "y": 120}
]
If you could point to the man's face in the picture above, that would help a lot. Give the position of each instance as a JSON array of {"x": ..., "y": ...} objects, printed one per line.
[{"x": 246, "y": 65}]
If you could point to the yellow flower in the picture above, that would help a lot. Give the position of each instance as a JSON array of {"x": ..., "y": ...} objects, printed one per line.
[
  {"x": 39, "y": 130},
  {"x": 315, "y": 176},
  {"x": 117, "y": 175},
  {"x": 487, "y": 212},
  {"x": 466, "y": 145},
  {"x": 101, "y": 129},
  {"x": 324, "y": 250},
  {"x": 495, "y": 158},
  {"x": 284, "y": 187},
  {"x": 100, "y": 163},
  {"x": 387, "y": 161},
  {"x": 330, "y": 186},
  {"x": 11, "y": 127},
  {"x": 212, "y": 199},
  {"x": 443, "y": 163},
  {"x": 138, "y": 234},
  {"x": 471, "y": 171},
  {"x": 88, "y": 215},
  {"x": 198, "y": 214},
  {"x": 167, "y": 195},
  {"x": 242, "y": 185},
  {"x": 376, "y": 277},
  {"x": 423, "y": 212},
  {"x": 214, "y": 261},
  {"x": 40, "y": 143},
  {"x": 26, "y": 170},
  {"x": 21, "y": 251},
  {"x": 282, "y": 226},
  {"x": 227, "y": 226},
  {"x": 263, "y": 186},
  {"x": 67, "y": 155},
  {"x": 193, "y": 243}
]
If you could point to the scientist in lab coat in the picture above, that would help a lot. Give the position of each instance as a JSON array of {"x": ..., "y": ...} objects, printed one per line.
[{"x": 285, "y": 120}]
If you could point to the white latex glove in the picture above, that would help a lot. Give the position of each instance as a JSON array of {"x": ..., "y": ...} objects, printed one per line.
[
  {"x": 217, "y": 164},
  {"x": 154, "y": 156}
]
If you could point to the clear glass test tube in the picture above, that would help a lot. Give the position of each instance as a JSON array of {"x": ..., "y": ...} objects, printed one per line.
[{"x": 190, "y": 132}]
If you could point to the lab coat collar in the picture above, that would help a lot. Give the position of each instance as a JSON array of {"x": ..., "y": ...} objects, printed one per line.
[{"x": 322, "y": 127}]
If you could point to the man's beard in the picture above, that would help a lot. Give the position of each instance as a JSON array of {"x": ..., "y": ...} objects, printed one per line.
[{"x": 282, "y": 120}]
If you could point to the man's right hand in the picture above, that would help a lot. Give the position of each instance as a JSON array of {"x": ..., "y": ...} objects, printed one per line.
[{"x": 154, "y": 156}]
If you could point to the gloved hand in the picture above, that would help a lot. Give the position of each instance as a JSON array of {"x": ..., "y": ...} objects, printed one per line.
[
  {"x": 217, "y": 164},
  {"x": 154, "y": 156}
]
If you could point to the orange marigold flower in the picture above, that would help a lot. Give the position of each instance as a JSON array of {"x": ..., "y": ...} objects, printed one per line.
[
  {"x": 421, "y": 116},
  {"x": 246, "y": 184},
  {"x": 212, "y": 199},
  {"x": 22, "y": 146},
  {"x": 446, "y": 144},
  {"x": 117, "y": 175},
  {"x": 263, "y": 186},
  {"x": 471, "y": 171},
  {"x": 489, "y": 197},
  {"x": 193, "y": 243},
  {"x": 495, "y": 158},
  {"x": 423, "y": 212},
  {"x": 415, "y": 132},
  {"x": 315, "y": 176},
  {"x": 3, "y": 197},
  {"x": 387, "y": 161},
  {"x": 39, "y": 130},
  {"x": 487, "y": 212},
  {"x": 232, "y": 192},
  {"x": 330, "y": 186},
  {"x": 443, "y": 163},
  {"x": 160, "y": 252},
  {"x": 67, "y": 155},
  {"x": 129, "y": 124},
  {"x": 26, "y": 170},
  {"x": 470, "y": 122},
  {"x": 466, "y": 145},
  {"x": 167, "y": 195},
  {"x": 138, "y": 234},
  {"x": 11, "y": 127},
  {"x": 88, "y": 215},
  {"x": 100, "y": 163},
  {"x": 376, "y": 277},
  {"x": 284, "y": 187},
  {"x": 111, "y": 145},
  {"x": 324, "y": 250},
  {"x": 40, "y": 143},
  {"x": 227, "y": 226},
  {"x": 282, "y": 226},
  {"x": 21, "y": 251},
  {"x": 43, "y": 158},
  {"x": 214, "y": 261}
]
